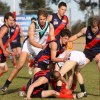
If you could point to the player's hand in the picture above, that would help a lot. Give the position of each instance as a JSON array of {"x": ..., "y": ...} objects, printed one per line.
[
  {"x": 43, "y": 46},
  {"x": 5, "y": 53},
  {"x": 12, "y": 53},
  {"x": 65, "y": 58}
]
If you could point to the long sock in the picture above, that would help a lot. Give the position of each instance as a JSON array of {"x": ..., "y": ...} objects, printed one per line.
[
  {"x": 7, "y": 82},
  {"x": 82, "y": 87}
]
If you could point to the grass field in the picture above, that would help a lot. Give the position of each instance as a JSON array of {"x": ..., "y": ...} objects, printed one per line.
[{"x": 90, "y": 74}]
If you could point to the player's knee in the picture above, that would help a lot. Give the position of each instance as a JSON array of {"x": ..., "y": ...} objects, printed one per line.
[
  {"x": 77, "y": 72},
  {"x": 19, "y": 66},
  {"x": 6, "y": 70}
]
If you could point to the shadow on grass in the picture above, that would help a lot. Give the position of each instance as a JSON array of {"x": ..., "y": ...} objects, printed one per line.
[
  {"x": 23, "y": 77},
  {"x": 10, "y": 91}
]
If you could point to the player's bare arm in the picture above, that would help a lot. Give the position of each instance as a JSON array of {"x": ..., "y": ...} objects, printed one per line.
[
  {"x": 79, "y": 34},
  {"x": 31, "y": 36},
  {"x": 51, "y": 34},
  {"x": 53, "y": 46},
  {"x": 49, "y": 18}
]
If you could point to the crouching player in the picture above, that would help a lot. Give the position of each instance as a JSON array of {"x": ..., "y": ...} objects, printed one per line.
[
  {"x": 38, "y": 87},
  {"x": 76, "y": 59}
]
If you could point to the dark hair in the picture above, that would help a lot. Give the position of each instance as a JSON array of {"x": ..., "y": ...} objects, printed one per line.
[
  {"x": 42, "y": 11},
  {"x": 95, "y": 21},
  {"x": 55, "y": 75},
  {"x": 62, "y": 4},
  {"x": 33, "y": 18},
  {"x": 7, "y": 15},
  {"x": 65, "y": 32}
]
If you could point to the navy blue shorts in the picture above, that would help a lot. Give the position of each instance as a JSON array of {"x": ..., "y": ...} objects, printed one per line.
[
  {"x": 15, "y": 45},
  {"x": 37, "y": 92},
  {"x": 2, "y": 58},
  {"x": 90, "y": 54}
]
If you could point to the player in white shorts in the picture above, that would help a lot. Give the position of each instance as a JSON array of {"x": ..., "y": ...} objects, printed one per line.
[
  {"x": 38, "y": 33},
  {"x": 75, "y": 59}
]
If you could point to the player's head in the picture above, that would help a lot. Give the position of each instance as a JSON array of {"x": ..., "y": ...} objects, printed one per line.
[
  {"x": 55, "y": 75},
  {"x": 64, "y": 36},
  {"x": 9, "y": 19},
  {"x": 42, "y": 16},
  {"x": 62, "y": 7},
  {"x": 95, "y": 24}
]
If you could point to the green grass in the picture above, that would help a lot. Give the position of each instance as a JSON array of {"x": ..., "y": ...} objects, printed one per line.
[{"x": 90, "y": 73}]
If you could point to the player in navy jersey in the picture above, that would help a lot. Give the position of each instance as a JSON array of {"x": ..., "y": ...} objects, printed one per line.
[
  {"x": 59, "y": 19},
  {"x": 4, "y": 41},
  {"x": 15, "y": 41},
  {"x": 92, "y": 48},
  {"x": 37, "y": 87},
  {"x": 50, "y": 53}
]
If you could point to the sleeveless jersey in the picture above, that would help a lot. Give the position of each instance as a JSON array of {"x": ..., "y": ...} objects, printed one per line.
[
  {"x": 59, "y": 24},
  {"x": 45, "y": 55},
  {"x": 92, "y": 40},
  {"x": 40, "y": 35},
  {"x": 15, "y": 34}
]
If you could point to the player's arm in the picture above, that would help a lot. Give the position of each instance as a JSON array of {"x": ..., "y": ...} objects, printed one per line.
[
  {"x": 31, "y": 36},
  {"x": 53, "y": 46},
  {"x": 3, "y": 31},
  {"x": 51, "y": 33},
  {"x": 79, "y": 34},
  {"x": 49, "y": 18},
  {"x": 21, "y": 33},
  {"x": 37, "y": 83}
]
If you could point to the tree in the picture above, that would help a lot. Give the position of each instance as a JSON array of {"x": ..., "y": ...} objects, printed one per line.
[
  {"x": 84, "y": 5},
  {"x": 88, "y": 7},
  {"x": 78, "y": 26},
  {"x": 4, "y": 8},
  {"x": 31, "y": 6}
]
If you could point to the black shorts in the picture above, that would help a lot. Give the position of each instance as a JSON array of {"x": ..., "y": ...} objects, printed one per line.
[
  {"x": 2, "y": 58},
  {"x": 37, "y": 92},
  {"x": 15, "y": 45},
  {"x": 42, "y": 65},
  {"x": 90, "y": 54}
]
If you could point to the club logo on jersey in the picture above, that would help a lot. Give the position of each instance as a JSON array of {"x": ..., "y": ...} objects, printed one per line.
[
  {"x": 55, "y": 22},
  {"x": 37, "y": 29},
  {"x": 12, "y": 30},
  {"x": 89, "y": 36}
]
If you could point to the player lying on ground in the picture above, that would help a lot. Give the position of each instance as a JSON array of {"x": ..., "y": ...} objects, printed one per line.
[{"x": 38, "y": 86}]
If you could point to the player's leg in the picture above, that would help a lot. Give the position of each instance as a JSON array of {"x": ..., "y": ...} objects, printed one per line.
[
  {"x": 14, "y": 57},
  {"x": 3, "y": 68},
  {"x": 18, "y": 51},
  {"x": 70, "y": 78},
  {"x": 48, "y": 93},
  {"x": 81, "y": 80},
  {"x": 15, "y": 71},
  {"x": 67, "y": 67}
]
